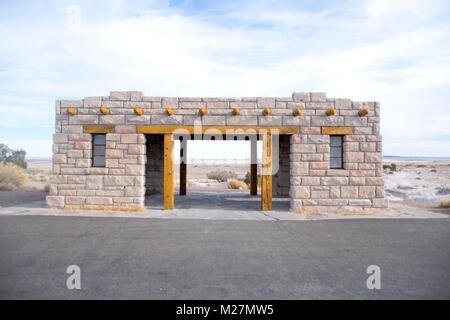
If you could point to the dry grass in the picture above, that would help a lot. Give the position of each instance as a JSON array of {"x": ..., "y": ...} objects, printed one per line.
[
  {"x": 445, "y": 203},
  {"x": 221, "y": 175},
  {"x": 39, "y": 177},
  {"x": 12, "y": 177},
  {"x": 237, "y": 184}
]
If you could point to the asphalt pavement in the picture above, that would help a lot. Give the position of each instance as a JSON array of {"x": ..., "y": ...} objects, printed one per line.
[{"x": 133, "y": 258}]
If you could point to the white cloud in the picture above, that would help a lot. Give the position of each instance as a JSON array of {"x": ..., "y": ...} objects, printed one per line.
[{"x": 396, "y": 53}]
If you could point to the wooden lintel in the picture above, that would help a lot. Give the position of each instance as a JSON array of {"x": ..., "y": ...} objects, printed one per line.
[
  {"x": 337, "y": 130},
  {"x": 102, "y": 128},
  {"x": 217, "y": 129}
]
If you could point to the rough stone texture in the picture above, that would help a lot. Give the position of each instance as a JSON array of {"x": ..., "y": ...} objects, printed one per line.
[
  {"x": 134, "y": 162},
  {"x": 154, "y": 170},
  {"x": 280, "y": 179}
]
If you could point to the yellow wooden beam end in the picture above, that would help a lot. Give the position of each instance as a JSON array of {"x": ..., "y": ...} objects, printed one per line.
[
  {"x": 103, "y": 128},
  {"x": 363, "y": 112},
  {"x": 72, "y": 111},
  {"x": 104, "y": 110}
]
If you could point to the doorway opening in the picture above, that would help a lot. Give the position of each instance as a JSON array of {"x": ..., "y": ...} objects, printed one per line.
[{"x": 213, "y": 173}]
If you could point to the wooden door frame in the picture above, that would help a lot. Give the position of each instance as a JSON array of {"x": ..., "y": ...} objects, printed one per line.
[{"x": 170, "y": 131}]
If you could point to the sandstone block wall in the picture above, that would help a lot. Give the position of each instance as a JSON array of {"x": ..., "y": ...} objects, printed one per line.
[
  {"x": 154, "y": 170},
  {"x": 281, "y": 179},
  {"x": 316, "y": 187},
  {"x": 132, "y": 167}
]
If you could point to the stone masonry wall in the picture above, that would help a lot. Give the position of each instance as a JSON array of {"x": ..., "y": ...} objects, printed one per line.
[
  {"x": 281, "y": 180},
  {"x": 121, "y": 184},
  {"x": 154, "y": 170}
]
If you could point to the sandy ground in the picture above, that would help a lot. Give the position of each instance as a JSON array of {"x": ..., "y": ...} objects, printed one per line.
[
  {"x": 417, "y": 184},
  {"x": 420, "y": 184}
]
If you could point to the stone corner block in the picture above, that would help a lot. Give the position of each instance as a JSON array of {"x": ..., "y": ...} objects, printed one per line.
[
  {"x": 136, "y": 95},
  {"x": 318, "y": 97},
  {"x": 301, "y": 96},
  {"x": 55, "y": 202},
  {"x": 120, "y": 95}
]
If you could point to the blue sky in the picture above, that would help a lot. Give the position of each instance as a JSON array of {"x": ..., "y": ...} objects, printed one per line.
[{"x": 395, "y": 52}]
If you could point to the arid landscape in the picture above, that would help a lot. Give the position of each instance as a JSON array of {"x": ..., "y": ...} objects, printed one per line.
[{"x": 420, "y": 183}]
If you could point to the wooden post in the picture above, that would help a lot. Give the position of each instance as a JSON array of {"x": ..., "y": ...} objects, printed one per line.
[
  {"x": 183, "y": 172},
  {"x": 168, "y": 171},
  {"x": 266, "y": 183},
  {"x": 253, "y": 167}
]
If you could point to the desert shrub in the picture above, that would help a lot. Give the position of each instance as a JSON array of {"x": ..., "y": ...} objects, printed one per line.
[
  {"x": 221, "y": 175},
  {"x": 392, "y": 167},
  {"x": 16, "y": 157},
  {"x": 12, "y": 177},
  {"x": 237, "y": 184},
  {"x": 247, "y": 179},
  {"x": 443, "y": 190},
  {"x": 445, "y": 203}
]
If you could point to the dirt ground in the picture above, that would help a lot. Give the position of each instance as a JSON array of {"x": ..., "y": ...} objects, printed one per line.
[
  {"x": 35, "y": 190},
  {"x": 418, "y": 183}
]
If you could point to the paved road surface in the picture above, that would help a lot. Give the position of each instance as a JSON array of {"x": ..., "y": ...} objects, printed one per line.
[{"x": 228, "y": 259}]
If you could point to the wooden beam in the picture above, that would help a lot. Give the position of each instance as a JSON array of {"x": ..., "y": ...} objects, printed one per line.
[
  {"x": 216, "y": 129},
  {"x": 266, "y": 183},
  {"x": 253, "y": 168},
  {"x": 168, "y": 171},
  {"x": 183, "y": 179},
  {"x": 183, "y": 171},
  {"x": 337, "y": 130},
  {"x": 103, "y": 128}
]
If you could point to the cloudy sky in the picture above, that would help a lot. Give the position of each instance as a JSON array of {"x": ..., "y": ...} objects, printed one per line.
[{"x": 395, "y": 52}]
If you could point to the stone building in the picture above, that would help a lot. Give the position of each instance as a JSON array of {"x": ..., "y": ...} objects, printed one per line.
[{"x": 109, "y": 152}]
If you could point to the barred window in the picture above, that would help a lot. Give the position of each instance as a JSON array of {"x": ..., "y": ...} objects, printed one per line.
[
  {"x": 336, "y": 152},
  {"x": 98, "y": 150}
]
